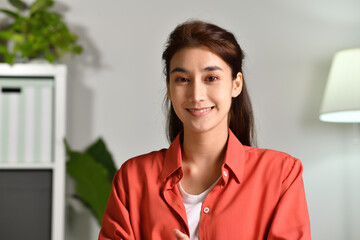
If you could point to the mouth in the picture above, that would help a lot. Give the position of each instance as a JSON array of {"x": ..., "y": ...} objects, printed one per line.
[{"x": 199, "y": 110}]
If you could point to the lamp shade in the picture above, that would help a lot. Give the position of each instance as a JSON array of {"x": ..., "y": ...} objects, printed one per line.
[{"x": 341, "y": 102}]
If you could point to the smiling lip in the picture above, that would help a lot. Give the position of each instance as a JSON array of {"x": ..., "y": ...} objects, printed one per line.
[{"x": 199, "y": 112}]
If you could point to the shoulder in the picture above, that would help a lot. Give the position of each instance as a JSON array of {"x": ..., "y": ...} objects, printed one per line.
[
  {"x": 273, "y": 162},
  {"x": 144, "y": 161},
  {"x": 142, "y": 166},
  {"x": 269, "y": 155}
]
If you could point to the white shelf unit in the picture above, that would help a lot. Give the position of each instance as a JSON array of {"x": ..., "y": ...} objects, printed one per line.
[{"x": 57, "y": 165}]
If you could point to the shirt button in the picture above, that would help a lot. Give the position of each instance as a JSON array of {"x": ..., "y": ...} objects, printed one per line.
[
  {"x": 225, "y": 173},
  {"x": 179, "y": 176},
  {"x": 206, "y": 210}
]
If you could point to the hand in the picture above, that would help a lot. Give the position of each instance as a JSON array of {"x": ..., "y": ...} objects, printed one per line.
[{"x": 180, "y": 236}]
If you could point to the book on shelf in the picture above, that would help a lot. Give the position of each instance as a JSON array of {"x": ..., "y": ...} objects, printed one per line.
[{"x": 26, "y": 119}]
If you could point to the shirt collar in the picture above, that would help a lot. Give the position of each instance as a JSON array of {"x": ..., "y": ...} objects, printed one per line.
[
  {"x": 234, "y": 158},
  {"x": 173, "y": 159}
]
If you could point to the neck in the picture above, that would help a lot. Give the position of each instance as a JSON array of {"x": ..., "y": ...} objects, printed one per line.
[{"x": 206, "y": 148}]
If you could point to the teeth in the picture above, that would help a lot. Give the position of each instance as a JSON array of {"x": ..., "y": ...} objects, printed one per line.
[{"x": 200, "y": 111}]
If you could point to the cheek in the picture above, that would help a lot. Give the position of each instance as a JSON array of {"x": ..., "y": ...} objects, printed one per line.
[
  {"x": 222, "y": 96},
  {"x": 176, "y": 103},
  {"x": 177, "y": 95}
]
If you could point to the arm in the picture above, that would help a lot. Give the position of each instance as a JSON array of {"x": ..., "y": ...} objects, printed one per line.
[
  {"x": 116, "y": 220},
  {"x": 291, "y": 218}
]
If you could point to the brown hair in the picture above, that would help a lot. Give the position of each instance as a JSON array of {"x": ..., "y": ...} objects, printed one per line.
[{"x": 223, "y": 44}]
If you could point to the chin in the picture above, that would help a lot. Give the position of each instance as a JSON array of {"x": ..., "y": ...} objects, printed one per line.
[{"x": 201, "y": 129}]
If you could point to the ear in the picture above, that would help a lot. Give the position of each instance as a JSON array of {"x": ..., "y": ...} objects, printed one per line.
[
  {"x": 237, "y": 85},
  {"x": 168, "y": 90}
]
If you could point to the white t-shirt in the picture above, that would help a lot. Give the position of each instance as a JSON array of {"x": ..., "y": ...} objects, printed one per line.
[{"x": 193, "y": 205}]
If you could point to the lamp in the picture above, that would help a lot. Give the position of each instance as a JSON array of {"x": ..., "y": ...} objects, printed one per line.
[{"x": 341, "y": 102}]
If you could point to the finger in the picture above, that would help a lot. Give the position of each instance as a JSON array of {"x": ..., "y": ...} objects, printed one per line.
[{"x": 179, "y": 235}]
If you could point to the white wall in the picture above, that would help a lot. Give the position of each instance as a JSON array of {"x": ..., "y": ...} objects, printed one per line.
[{"x": 116, "y": 88}]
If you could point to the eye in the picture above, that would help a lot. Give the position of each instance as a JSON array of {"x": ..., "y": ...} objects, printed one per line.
[
  {"x": 181, "y": 79},
  {"x": 212, "y": 78}
]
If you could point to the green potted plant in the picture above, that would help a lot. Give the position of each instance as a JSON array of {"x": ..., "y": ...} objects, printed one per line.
[
  {"x": 36, "y": 32},
  {"x": 93, "y": 171}
]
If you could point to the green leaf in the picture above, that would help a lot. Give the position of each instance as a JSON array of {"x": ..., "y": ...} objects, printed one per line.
[
  {"x": 49, "y": 57},
  {"x": 10, "y": 13},
  {"x": 11, "y": 36},
  {"x": 99, "y": 152},
  {"x": 40, "y": 5},
  {"x": 19, "y": 38},
  {"x": 77, "y": 49},
  {"x": 3, "y": 49},
  {"x": 6, "y": 34},
  {"x": 9, "y": 58},
  {"x": 19, "y": 4},
  {"x": 92, "y": 183}
]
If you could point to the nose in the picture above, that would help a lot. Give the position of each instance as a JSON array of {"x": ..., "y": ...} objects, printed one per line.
[{"x": 197, "y": 91}]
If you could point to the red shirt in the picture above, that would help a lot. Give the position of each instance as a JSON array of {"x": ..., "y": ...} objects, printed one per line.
[{"x": 260, "y": 195}]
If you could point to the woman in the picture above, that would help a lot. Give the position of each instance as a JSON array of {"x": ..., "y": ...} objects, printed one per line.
[{"x": 210, "y": 183}]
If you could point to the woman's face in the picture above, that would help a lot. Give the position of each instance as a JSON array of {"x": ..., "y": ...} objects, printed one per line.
[{"x": 201, "y": 89}]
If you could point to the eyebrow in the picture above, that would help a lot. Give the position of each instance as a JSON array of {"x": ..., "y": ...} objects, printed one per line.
[
  {"x": 212, "y": 68},
  {"x": 179, "y": 69},
  {"x": 207, "y": 69}
]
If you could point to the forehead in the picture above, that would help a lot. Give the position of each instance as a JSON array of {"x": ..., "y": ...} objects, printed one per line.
[{"x": 196, "y": 57}]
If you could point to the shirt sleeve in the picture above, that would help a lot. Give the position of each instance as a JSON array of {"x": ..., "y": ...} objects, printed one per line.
[
  {"x": 291, "y": 218},
  {"x": 116, "y": 223}
]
